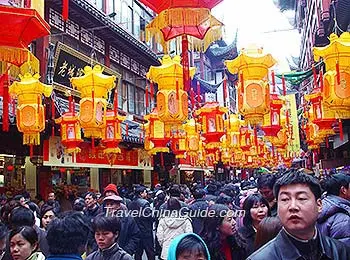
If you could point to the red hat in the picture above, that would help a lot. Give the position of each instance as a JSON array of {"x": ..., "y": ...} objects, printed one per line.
[{"x": 111, "y": 187}]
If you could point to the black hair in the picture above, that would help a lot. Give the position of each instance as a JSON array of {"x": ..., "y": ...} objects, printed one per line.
[
  {"x": 22, "y": 216},
  {"x": 33, "y": 207},
  {"x": 92, "y": 194},
  {"x": 139, "y": 189},
  {"x": 3, "y": 230},
  {"x": 191, "y": 244},
  {"x": 224, "y": 199},
  {"x": 198, "y": 193},
  {"x": 175, "y": 191},
  {"x": 266, "y": 180},
  {"x": 45, "y": 208},
  {"x": 249, "y": 203},
  {"x": 79, "y": 204},
  {"x": 333, "y": 184},
  {"x": 18, "y": 197},
  {"x": 103, "y": 223},
  {"x": 28, "y": 233},
  {"x": 212, "y": 188},
  {"x": 298, "y": 176},
  {"x": 68, "y": 234},
  {"x": 173, "y": 204}
]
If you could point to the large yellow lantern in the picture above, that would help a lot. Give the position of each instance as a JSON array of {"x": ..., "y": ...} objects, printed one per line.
[
  {"x": 172, "y": 99},
  {"x": 253, "y": 91},
  {"x": 94, "y": 87},
  {"x": 30, "y": 111},
  {"x": 336, "y": 89}
]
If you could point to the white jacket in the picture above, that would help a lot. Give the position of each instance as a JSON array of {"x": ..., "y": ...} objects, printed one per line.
[{"x": 169, "y": 228}]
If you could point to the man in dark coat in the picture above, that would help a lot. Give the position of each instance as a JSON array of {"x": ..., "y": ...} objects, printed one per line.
[
  {"x": 197, "y": 207},
  {"x": 334, "y": 220},
  {"x": 92, "y": 208},
  {"x": 299, "y": 203},
  {"x": 144, "y": 220},
  {"x": 265, "y": 187}
]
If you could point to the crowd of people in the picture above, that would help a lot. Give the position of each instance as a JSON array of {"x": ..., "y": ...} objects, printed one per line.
[{"x": 292, "y": 215}]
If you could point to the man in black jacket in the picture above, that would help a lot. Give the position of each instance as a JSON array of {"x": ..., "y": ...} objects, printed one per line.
[
  {"x": 198, "y": 206},
  {"x": 299, "y": 203},
  {"x": 144, "y": 221}
]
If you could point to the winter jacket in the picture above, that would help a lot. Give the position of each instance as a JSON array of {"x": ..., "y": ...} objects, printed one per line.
[
  {"x": 248, "y": 234},
  {"x": 130, "y": 235},
  {"x": 36, "y": 256},
  {"x": 196, "y": 208},
  {"x": 144, "y": 221},
  {"x": 169, "y": 228},
  {"x": 64, "y": 257},
  {"x": 114, "y": 252},
  {"x": 91, "y": 213},
  {"x": 282, "y": 247},
  {"x": 175, "y": 242},
  {"x": 334, "y": 220}
]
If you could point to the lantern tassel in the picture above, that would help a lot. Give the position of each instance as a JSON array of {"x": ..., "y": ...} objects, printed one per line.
[
  {"x": 177, "y": 90},
  {"x": 65, "y": 9},
  {"x": 151, "y": 87},
  {"x": 284, "y": 85},
  {"x": 256, "y": 136},
  {"x": 115, "y": 101},
  {"x": 327, "y": 142},
  {"x": 5, "y": 103},
  {"x": 192, "y": 99},
  {"x": 321, "y": 80},
  {"x": 338, "y": 72},
  {"x": 146, "y": 96},
  {"x": 93, "y": 99},
  {"x": 241, "y": 79},
  {"x": 341, "y": 134},
  {"x": 315, "y": 76},
  {"x": 273, "y": 81},
  {"x": 225, "y": 90}
]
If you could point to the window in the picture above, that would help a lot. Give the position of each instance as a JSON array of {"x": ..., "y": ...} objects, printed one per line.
[
  {"x": 131, "y": 98},
  {"x": 126, "y": 16},
  {"x": 137, "y": 25},
  {"x": 140, "y": 101}
]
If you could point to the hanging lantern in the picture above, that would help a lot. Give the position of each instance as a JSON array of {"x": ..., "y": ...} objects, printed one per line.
[
  {"x": 245, "y": 139},
  {"x": 155, "y": 135},
  {"x": 172, "y": 99},
  {"x": 30, "y": 111},
  {"x": 233, "y": 125},
  {"x": 70, "y": 131},
  {"x": 192, "y": 137},
  {"x": 94, "y": 87},
  {"x": 272, "y": 121},
  {"x": 112, "y": 135},
  {"x": 253, "y": 91},
  {"x": 336, "y": 86},
  {"x": 178, "y": 144}
]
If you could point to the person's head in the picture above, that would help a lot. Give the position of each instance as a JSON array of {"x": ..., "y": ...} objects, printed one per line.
[
  {"x": 112, "y": 202},
  {"x": 23, "y": 242},
  {"x": 79, "y": 204},
  {"x": 106, "y": 231},
  {"x": 141, "y": 191},
  {"x": 299, "y": 202},
  {"x": 20, "y": 199},
  {"x": 188, "y": 246},
  {"x": 198, "y": 194},
  {"x": 47, "y": 215},
  {"x": 175, "y": 191},
  {"x": 267, "y": 230},
  {"x": 173, "y": 204},
  {"x": 22, "y": 216},
  {"x": 111, "y": 189},
  {"x": 225, "y": 200},
  {"x": 33, "y": 207},
  {"x": 51, "y": 196},
  {"x": 3, "y": 236},
  {"x": 265, "y": 186},
  {"x": 338, "y": 185},
  {"x": 211, "y": 189},
  {"x": 68, "y": 234},
  {"x": 256, "y": 208},
  {"x": 90, "y": 200}
]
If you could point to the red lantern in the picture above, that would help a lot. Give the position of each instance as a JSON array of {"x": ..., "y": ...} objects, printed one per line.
[
  {"x": 10, "y": 168},
  {"x": 275, "y": 121}
]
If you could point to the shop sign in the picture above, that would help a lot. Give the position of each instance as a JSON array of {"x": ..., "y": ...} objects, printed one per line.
[{"x": 54, "y": 156}]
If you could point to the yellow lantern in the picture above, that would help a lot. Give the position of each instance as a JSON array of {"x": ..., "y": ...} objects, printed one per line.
[
  {"x": 178, "y": 144},
  {"x": 94, "y": 87},
  {"x": 253, "y": 92},
  {"x": 172, "y": 99},
  {"x": 30, "y": 111},
  {"x": 336, "y": 89},
  {"x": 192, "y": 137},
  {"x": 233, "y": 125}
]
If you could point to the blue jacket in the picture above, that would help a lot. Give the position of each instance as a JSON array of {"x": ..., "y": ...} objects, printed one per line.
[
  {"x": 334, "y": 220},
  {"x": 176, "y": 241},
  {"x": 65, "y": 257}
]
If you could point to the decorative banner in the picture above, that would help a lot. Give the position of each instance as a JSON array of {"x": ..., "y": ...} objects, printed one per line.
[
  {"x": 294, "y": 145},
  {"x": 128, "y": 159}
]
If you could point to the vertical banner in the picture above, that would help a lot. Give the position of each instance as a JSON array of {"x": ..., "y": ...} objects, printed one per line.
[{"x": 294, "y": 144}]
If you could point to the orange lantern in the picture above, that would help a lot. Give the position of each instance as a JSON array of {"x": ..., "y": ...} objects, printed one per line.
[
  {"x": 272, "y": 124},
  {"x": 253, "y": 92},
  {"x": 178, "y": 144},
  {"x": 336, "y": 89},
  {"x": 70, "y": 132},
  {"x": 94, "y": 87},
  {"x": 233, "y": 124},
  {"x": 192, "y": 137},
  {"x": 30, "y": 111}
]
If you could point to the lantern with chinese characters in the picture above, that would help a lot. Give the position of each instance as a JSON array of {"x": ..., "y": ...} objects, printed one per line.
[
  {"x": 253, "y": 91},
  {"x": 233, "y": 124},
  {"x": 70, "y": 129},
  {"x": 192, "y": 137},
  {"x": 30, "y": 111},
  {"x": 272, "y": 124},
  {"x": 212, "y": 126},
  {"x": 156, "y": 140},
  {"x": 94, "y": 87},
  {"x": 336, "y": 87},
  {"x": 172, "y": 99},
  {"x": 112, "y": 135}
]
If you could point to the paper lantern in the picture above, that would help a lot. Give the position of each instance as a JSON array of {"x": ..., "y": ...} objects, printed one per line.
[
  {"x": 336, "y": 86},
  {"x": 233, "y": 125},
  {"x": 178, "y": 144},
  {"x": 30, "y": 111},
  {"x": 94, "y": 87},
  {"x": 172, "y": 99},
  {"x": 192, "y": 136},
  {"x": 253, "y": 91},
  {"x": 272, "y": 120}
]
